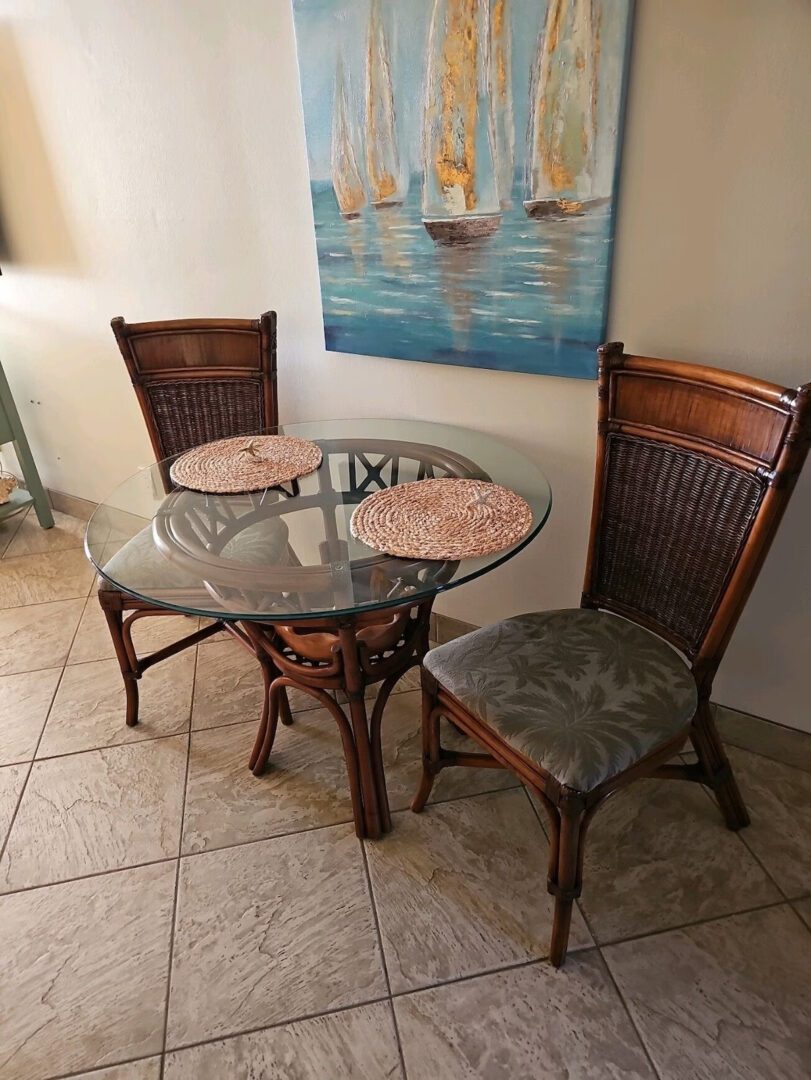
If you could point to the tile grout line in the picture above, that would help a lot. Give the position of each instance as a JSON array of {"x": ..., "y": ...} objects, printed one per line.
[
  {"x": 793, "y": 905},
  {"x": 99, "y": 1069},
  {"x": 742, "y": 840},
  {"x": 384, "y": 964},
  {"x": 681, "y": 926},
  {"x": 604, "y": 962},
  {"x": 173, "y": 923},
  {"x": 765, "y": 757},
  {"x": 300, "y": 1019},
  {"x": 225, "y": 847},
  {"x": 629, "y": 1014},
  {"x": 41, "y": 603},
  {"x": 22, "y": 515},
  {"x": 24, "y": 787},
  {"x": 782, "y": 902}
]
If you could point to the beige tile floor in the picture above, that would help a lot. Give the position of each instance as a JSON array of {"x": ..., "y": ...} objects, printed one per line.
[{"x": 165, "y": 914}]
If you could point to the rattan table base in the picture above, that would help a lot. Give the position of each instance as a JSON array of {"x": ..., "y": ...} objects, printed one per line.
[{"x": 339, "y": 658}]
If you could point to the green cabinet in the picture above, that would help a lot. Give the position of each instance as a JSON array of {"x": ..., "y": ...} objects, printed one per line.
[{"x": 11, "y": 431}]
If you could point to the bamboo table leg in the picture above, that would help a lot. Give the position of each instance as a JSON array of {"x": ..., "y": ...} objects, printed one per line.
[{"x": 348, "y": 654}]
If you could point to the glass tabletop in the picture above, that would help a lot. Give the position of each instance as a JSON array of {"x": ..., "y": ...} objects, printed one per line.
[{"x": 288, "y": 552}]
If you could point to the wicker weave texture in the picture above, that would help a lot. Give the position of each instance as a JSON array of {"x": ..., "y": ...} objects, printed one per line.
[
  {"x": 444, "y": 518},
  {"x": 672, "y": 526},
  {"x": 240, "y": 465},
  {"x": 194, "y": 411}
]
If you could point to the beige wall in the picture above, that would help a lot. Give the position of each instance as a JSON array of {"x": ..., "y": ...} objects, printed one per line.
[{"x": 152, "y": 164}]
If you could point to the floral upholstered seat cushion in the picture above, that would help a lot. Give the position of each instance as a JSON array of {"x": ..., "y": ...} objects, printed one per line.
[{"x": 581, "y": 693}]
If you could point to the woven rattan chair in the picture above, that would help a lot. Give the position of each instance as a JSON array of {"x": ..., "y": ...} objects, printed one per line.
[
  {"x": 196, "y": 380},
  {"x": 695, "y": 467}
]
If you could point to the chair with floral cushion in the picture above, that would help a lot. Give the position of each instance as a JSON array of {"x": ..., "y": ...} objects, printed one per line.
[{"x": 695, "y": 467}]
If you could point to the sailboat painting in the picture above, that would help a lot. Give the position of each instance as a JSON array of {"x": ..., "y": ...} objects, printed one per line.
[{"x": 464, "y": 158}]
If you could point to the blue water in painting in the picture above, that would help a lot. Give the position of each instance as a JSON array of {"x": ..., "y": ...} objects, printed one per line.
[{"x": 530, "y": 298}]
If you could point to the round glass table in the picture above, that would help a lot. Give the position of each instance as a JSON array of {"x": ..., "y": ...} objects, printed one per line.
[{"x": 280, "y": 570}]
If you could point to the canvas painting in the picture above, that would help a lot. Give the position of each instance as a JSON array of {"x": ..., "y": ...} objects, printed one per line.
[{"x": 463, "y": 163}]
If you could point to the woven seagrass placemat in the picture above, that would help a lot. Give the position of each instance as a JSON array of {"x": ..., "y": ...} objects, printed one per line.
[
  {"x": 444, "y": 519},
  {"x": 245, "y": 464}
]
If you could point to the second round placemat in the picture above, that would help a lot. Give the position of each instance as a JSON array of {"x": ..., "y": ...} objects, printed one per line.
[{"x": 445, "y": 519}]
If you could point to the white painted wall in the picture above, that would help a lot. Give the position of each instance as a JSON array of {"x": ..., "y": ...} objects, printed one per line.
[{"x": 152, "y": 164}]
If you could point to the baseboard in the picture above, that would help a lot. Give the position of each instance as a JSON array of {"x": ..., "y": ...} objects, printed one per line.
[
  {"x": 444, "y": 628},
  {"x": 72, "y": 504}
]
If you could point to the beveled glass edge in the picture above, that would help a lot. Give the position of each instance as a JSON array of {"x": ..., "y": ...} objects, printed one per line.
[{"x": 412, "y": 599}]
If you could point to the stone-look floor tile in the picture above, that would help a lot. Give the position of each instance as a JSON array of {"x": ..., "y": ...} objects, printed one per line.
[
  {"x": 778, "y": 798},
  {"x": 228, "y": 688},
  {"x": 9, "y": 527},
  {"x": 726, "y": 1000},
  {"x": 305, "y": 784},
  {"x": 803, "y": 909},
  {"x": 24, "y": 703},
  {"x": 658, "y": 855},
  {"x": 97, "y": 811},
  {"x": 39, "y": 579},
  {"x": 402, "y": 755},
  {"x": 84, "y": 972},
  {"x": 32, "y": 539},
  {"x": 146, "y": 1069},
  {"x": 461, "y": 889},
  {"x": 93, "y": 641},
  {"x": 523, "y": 1024},
  {"x": 36, "y": 637},
  {"x": 89, "y": 710},
  {"x": 270, "y": 932},
  {"x": 12, "y": 778},
  {"x": 762, "y": 737},
  {"x": 358, "y": 1044}
]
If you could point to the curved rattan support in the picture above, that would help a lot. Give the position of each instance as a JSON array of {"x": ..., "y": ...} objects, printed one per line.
[
  {"x": 114, "y": 604},
  {"x": 346, "y": 654},
  {"x": 267, "y": 732}
]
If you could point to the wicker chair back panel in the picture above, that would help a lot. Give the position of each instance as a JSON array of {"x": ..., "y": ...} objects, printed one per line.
[
  {"x": 673, "y": 525},
  {"x": 193, "y": 411},
  {"x": 715, "y": 414},
  {"x": 169, "y": 350}
]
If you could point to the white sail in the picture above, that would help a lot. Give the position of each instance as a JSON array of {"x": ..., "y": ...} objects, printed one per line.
[
  {"x": 503, "y": 117},
  {"x": 346, "y": 179},
  {"x": 382, "y": 156},
  {"x": 563, "y": 114},
  {"x": 460, "y": 195}
]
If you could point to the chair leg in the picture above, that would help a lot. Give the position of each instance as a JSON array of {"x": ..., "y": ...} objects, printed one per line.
[
  {"x": 430, "y": 747},
  {"x": 267, "y": 729},
  {"x": 285, "y": 715},
  {"x": 129, "y": 670},
  {"x": 565, "y": 877},
  {"x": 267, "y": 680},
  {"x": 713, "y": 759}
]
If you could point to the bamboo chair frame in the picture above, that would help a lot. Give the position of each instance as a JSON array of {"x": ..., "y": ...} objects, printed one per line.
[
  {"x": 195, "y": 380},
  {"x": 748, "y": 436}
]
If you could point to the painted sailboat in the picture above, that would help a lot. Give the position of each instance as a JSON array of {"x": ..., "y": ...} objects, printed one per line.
[
  {"x": 503, "y": 116},
  {"x": 563, "y": 114},
  {"x": 460, "y": 199},
  {"x": 386, "y": 187},
  {"x": 346, "y": 179}
]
